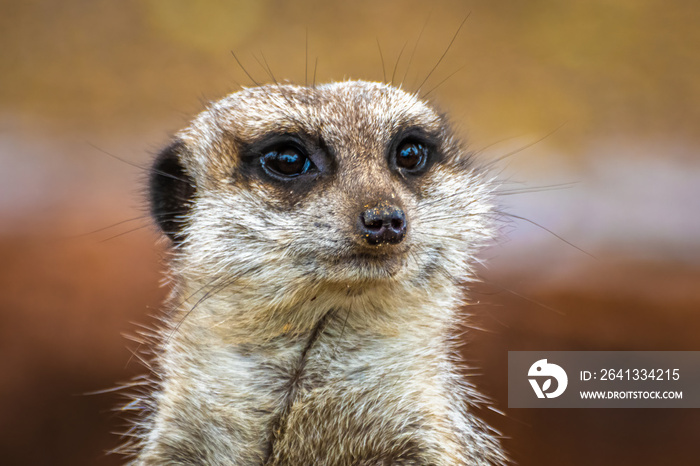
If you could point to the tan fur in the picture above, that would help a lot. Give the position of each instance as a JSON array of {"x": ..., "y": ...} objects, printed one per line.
[{"x": 284, "y": 344}]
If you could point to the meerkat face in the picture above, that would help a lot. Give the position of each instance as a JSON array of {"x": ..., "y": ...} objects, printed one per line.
[{"x": 345, "y": 184}]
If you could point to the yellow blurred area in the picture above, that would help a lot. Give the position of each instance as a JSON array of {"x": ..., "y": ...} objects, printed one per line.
[{"x": 603, "y": 67}]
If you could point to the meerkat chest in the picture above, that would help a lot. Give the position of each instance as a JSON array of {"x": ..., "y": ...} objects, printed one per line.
[{"x": 363, "y": 397}]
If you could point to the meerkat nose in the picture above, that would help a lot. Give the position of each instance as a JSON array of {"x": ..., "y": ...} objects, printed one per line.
[{"x": 383, "y": 224}]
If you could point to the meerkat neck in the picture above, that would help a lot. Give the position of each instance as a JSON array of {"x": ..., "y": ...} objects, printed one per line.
[{"x": 237, "y": 316}]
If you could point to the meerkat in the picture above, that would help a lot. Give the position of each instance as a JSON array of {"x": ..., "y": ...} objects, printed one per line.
[{"x": 321, "y": 239}]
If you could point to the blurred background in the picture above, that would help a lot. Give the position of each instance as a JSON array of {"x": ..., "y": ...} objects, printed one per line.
[{"x": 598, "y": 101}]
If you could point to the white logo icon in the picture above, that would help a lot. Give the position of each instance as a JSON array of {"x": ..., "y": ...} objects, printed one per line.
[{"x": 543, "y": 369}]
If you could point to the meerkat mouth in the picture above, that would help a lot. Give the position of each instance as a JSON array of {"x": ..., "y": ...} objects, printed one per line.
[{"x": 367, "y": 266}]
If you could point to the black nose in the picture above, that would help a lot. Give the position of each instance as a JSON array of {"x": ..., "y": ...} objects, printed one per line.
[{"x": 383, "y": 224}]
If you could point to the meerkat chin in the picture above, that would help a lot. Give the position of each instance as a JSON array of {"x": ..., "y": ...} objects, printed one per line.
[{"x": 321, "y": 239}]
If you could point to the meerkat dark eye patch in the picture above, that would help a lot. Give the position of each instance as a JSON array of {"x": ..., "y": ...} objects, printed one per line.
[
  {"x": 171, "y": 191},
  {"x": 286, "y": 160}
]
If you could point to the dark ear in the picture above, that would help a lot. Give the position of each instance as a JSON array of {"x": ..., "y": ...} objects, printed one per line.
[{"x": 171, "y": 191}]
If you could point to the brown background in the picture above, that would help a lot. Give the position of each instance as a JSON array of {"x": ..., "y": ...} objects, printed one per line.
[{"x": 617, "y": 82}]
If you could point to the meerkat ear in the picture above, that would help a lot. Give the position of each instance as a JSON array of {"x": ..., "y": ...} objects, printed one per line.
[{"x": 171, "y": 191}]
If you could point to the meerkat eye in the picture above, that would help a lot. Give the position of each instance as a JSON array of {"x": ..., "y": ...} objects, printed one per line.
[
  {"x": 411, "y": 156},
  {"x": 286, "y": 162}
]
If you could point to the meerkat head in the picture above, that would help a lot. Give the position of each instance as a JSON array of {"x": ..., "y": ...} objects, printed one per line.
[{"x": 348, "y": 186}]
